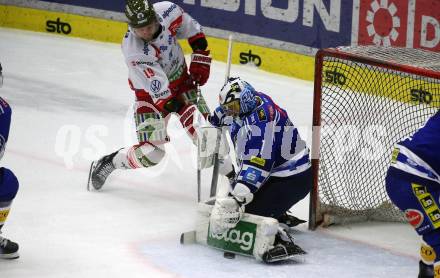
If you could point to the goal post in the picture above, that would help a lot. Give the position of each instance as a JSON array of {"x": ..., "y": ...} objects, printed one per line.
[{"x": 366, "y": 98}]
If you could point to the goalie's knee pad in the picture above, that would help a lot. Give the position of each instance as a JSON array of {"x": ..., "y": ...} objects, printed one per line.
[
  {"x": 8, "y": 185},
  {"x": 138, "y": 156}
]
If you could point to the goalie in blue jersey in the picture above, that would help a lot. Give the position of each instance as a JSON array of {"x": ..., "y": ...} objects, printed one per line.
[
  {"x": 8, "y": 181},
  {"x": 413, "y": 184},
  {"x": 274, "y": 171}
]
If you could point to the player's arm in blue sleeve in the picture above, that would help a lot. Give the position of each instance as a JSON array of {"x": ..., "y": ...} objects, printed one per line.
[
  {"x": 5, "y": 122},
  {"x": 256, "y": 160}
]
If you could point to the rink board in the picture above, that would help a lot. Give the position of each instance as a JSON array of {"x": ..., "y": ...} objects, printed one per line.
[{"x": 65, "y": 24}]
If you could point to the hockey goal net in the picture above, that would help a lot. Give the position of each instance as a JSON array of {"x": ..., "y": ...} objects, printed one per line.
[{"x": 366, "y": 98}]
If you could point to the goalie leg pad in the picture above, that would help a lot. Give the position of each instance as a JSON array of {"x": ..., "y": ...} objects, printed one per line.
[{"x": 253, "y": 235}]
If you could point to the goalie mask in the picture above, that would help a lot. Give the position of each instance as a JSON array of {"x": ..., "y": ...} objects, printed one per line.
[
  {"x": 237, "y": 97},
  {"x": 139, "y": 13}
]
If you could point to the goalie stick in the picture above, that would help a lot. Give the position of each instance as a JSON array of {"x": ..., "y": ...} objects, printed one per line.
[
  {"x": 200, "y": 142},
  {"x": 220, "y": 130},
  {"x": 199, "y": 172}
]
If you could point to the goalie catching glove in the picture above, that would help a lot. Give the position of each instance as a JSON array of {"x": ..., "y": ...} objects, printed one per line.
[{"x": 228, "y": 211}]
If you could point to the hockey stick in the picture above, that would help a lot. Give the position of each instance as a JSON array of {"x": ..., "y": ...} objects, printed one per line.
[
  {"x": 220, "y": 130},
  {"x": 199, "y": 172},
  {"x": 190, "y": 237}
]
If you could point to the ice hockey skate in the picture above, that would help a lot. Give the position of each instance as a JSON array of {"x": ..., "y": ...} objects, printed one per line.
[
  {"x": 8, "y": 249},
  {"x": 425, "y": 271},
  {"x": 283, "y": 250},
  {"x": 100, "y": 170},
  {"x": 288, "y": 221}
]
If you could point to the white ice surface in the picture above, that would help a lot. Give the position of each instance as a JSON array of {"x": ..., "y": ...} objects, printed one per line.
[{"x": 71, "y": 104}]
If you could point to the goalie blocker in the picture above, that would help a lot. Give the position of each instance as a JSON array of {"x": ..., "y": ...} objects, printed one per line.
[{"x": 256, "y": 236}]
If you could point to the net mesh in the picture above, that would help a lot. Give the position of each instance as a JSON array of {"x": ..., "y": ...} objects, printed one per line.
[{"x": 365, "y": 109}]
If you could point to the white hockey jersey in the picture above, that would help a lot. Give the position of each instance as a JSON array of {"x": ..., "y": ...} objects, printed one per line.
[{"x": 153, "y": 65}]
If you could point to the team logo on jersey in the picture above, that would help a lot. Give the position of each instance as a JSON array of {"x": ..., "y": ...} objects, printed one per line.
[
  {"x": 155, "y": 86},
  {"x": 262, "y": 115},
  {"x": 414, "y": 217}
]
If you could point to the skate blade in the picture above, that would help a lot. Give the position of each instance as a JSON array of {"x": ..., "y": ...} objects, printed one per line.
[
  {"x": 89, "y": 181},
  {"x": 11, "y": 256},
  {"x": 298, "y": 258}
]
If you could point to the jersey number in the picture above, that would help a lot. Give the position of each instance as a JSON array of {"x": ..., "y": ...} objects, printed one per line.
[{"x": 149, "y": 73}]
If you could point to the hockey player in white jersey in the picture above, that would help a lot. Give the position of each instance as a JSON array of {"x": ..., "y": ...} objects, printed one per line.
[
  {"x": 413, "y": 184},
  {"x": 274, "y": 170},
  {"x": 8, "y": 181},
  {"x": 161, "y": 82}
]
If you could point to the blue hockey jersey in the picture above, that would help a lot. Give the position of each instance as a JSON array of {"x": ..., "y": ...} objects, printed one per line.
[
  {"x": 267, "y": 144},
  {"x": 420, "y": 153},
  {"x": 5, "y": 122}
]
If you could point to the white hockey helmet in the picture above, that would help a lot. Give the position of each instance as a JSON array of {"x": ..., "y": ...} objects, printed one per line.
[{"x": 237, "y": 97}]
